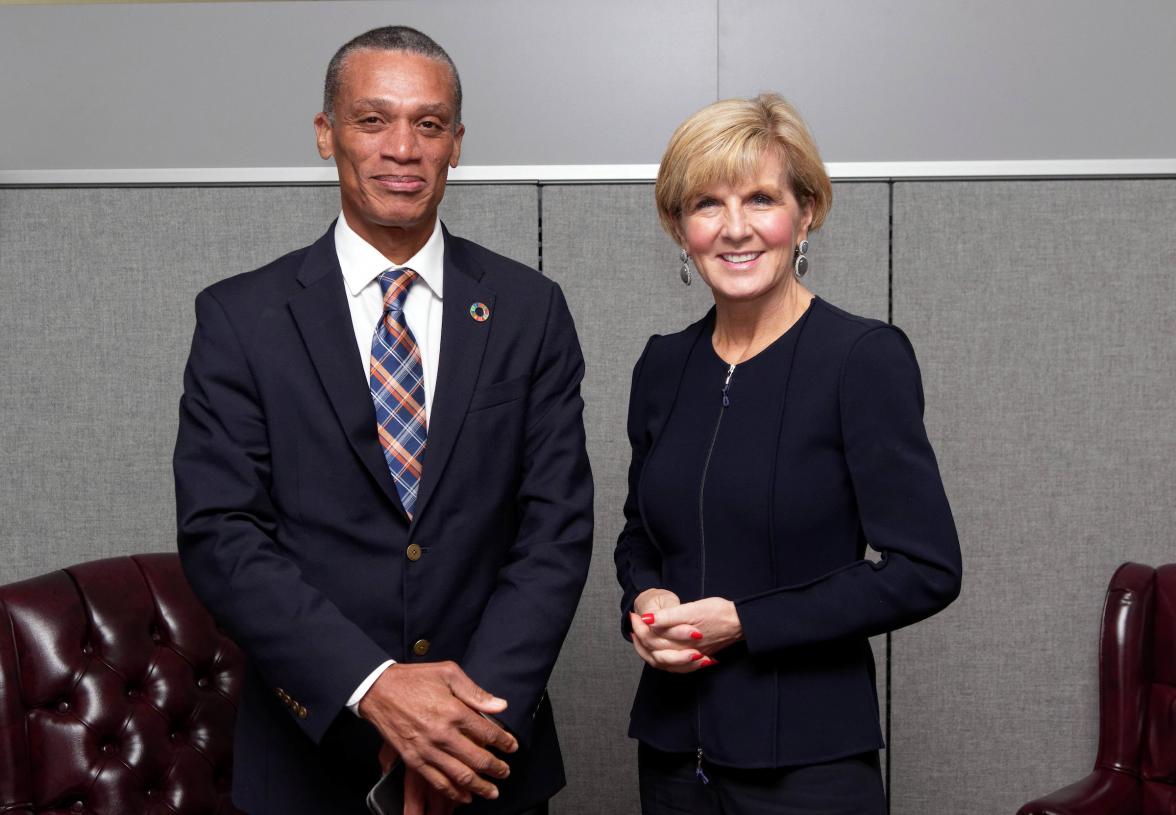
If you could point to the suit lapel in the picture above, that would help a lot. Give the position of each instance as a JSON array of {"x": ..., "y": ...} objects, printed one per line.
[
  {"x": 463, "y": 342},
  {"x": 324, "y": 321}
]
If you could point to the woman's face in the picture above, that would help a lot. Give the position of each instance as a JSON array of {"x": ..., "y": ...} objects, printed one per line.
[{"x": 742, "y": 236}]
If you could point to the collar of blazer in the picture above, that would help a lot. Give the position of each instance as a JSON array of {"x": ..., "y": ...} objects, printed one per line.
[{"x": 321, "y": 313}]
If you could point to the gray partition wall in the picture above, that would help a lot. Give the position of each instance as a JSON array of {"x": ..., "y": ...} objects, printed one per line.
[
  {"x": 96, "y": 291},
  {"x": 1041, "y": 311},
  {"x": 1043, "y": 315}
]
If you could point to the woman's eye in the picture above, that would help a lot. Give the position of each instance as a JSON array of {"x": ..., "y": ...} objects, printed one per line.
[
  {"x": 762, "y": 199},
  {"x": 705, "y": 203}
]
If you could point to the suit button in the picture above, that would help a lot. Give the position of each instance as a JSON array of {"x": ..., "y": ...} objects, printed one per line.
[
  {"x": 413, "y": 552},
  {"x": 302, "y": 712},
  {"x": 420, "y": 647}
]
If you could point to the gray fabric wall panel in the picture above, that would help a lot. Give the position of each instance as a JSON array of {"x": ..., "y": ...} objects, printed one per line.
[
  {"x": 604, "y": 246},
  {"x": 848, "y": 255},
  {"x": 1042, "y": 313},
  {"x": 96, "y": 287},
  {"x": 500, "y": 217}
]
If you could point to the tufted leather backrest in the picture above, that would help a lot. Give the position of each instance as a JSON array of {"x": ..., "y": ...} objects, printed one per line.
[
  {"x": 1159, "y": 750},
  {"x": 117, "y": 693}
]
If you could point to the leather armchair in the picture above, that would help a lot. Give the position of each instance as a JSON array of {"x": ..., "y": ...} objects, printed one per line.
[
  {"x": 1135, "y": 770},
  {"x": 117, "y": 693}
]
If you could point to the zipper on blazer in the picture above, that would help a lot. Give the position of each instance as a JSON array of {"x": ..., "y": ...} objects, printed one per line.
[{"x": 698, "y": 771}]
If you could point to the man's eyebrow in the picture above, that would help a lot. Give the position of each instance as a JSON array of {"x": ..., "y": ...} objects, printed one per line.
[{"x": 436, "y": 109}]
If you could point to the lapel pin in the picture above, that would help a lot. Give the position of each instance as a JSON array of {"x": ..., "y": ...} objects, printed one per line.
[{"x": 480, "y": 312}]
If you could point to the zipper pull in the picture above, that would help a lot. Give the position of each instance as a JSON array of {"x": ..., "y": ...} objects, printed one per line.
[
  {"x": 698, "y": 767},
  {"x": 727, "y": 384}
]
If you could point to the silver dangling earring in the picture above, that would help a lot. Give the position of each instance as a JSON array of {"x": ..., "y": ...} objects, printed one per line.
[
  {"x": 685, "y": 272},
  {"x": 800, "y": 264}
]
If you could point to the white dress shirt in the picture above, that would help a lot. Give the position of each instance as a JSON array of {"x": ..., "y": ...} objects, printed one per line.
[{"x": 362, "y": 264}]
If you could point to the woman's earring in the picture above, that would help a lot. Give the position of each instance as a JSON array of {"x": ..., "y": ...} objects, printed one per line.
[
  {"x": 685, "y": 271},
  {"x": 800, "y": 264}
]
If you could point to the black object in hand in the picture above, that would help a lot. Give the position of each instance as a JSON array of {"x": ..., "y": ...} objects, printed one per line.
[{"x": 387, "y": 796}]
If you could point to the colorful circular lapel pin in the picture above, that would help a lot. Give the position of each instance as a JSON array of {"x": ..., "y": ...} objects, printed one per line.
[{"x": 480, "y": 312}]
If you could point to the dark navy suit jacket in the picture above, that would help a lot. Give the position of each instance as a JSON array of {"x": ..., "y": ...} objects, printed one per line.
[
  {"x": 849, "y": 465},
  {"x": 291, "y": 531}
]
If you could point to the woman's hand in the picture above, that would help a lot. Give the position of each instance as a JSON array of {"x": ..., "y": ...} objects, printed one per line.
[
  {"x": 710, "y": 624},
  {"x": 675, "y": 651},
  {"x": 652, "y": 600}
]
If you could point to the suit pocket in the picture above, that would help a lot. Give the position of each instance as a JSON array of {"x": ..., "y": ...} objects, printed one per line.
[{"x": 499, "y": 393}]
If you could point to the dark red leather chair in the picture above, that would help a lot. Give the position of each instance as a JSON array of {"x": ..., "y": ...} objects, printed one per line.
[
  {"x": 117, "y": 693},
  {"x": 1135, "y": 771}
]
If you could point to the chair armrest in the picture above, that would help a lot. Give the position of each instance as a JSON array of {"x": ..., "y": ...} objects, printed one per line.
[{"x": 1101, "y": 792}]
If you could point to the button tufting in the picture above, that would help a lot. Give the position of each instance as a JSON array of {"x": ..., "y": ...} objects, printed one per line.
[
  {"x": 87, "y": 649},
  {"x": 150, "y": 793},
  {"x": 202, "y": 682},
  {"x": 77, "y": 806},
  {"x": 133, "y": 693},
  {"x": 63, "y": 707},
  {"x": 109, "y": 748}
]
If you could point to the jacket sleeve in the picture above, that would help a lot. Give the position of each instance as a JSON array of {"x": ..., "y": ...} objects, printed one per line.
[
  {"x": 903, "y": 509},
  {"x": 228, "y": 537},
  {"x": 637, "y": 560},
  {"x": 527, "y": 617}
]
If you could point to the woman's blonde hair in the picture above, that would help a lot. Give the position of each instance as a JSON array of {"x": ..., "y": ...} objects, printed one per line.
[{"x": 724, "y": 143}]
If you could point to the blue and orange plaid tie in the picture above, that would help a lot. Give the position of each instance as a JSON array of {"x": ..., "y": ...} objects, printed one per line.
[{"x": 398, "y": 389}]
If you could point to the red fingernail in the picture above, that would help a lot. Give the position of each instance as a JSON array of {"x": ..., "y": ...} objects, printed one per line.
[
  {"x": 695, "y": 635},
  {"x": 695, "y": 657},
  {"x": 706, "y": 663},
  {"x": 647, "y": 619}
]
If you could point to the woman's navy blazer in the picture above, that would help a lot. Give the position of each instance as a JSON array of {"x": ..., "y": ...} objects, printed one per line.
[{"x": 852, "y": 466}]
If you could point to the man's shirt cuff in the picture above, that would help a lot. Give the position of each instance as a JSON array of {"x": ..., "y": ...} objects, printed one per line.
[{"x": 365, "y": 685}]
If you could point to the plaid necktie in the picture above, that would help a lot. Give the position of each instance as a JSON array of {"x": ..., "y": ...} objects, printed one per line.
[{"x": 398, "y": 389}]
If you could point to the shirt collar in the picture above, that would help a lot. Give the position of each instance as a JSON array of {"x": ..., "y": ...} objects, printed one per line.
[{"x": 362, "y": 263}]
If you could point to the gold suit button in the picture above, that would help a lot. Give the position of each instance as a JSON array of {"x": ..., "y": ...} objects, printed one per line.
[
  {"x": 301, "y": 712},
  {"x": 420, "y": 647},
  {"x": 413, "y": 552}
]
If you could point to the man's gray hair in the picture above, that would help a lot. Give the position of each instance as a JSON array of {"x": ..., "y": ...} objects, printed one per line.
[{"x": 388, "y": 38}]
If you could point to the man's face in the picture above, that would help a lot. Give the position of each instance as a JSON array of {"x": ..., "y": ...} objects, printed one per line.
[{"x": 394, "y": 139}]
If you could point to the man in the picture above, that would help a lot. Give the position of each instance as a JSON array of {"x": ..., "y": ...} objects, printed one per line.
[{"x": 382, "y": 487}]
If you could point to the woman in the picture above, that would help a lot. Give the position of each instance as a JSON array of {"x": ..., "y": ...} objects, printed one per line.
[{"x": 772, "y": 440}]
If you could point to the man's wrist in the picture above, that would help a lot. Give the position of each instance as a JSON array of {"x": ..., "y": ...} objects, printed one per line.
[{"x": 366, "y": 685}]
